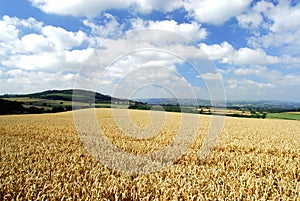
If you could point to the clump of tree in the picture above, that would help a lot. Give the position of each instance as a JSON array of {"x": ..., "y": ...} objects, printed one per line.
[
  {"x": 172, "y": 108},
  {"x": 14, "y": 107},
  {"x": 254, "y": 114},
  {"x": 34, "y": 110},
  {"x": 11, "y": 107},
  {"x": 140, "y": 106},
  {"x": 58, "y": 109}
]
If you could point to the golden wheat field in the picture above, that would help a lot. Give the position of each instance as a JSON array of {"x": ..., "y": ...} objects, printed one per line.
[{"x": 42, "y": 157}]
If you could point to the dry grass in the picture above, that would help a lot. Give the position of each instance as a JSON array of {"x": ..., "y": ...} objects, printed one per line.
[
  {"x": 225, "y": 111},
  {"x": 42, "y": 157},
  {"x": 294, "y": 112}
]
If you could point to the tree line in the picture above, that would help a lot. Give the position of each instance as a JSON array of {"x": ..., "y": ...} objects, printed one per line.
[{"x": 14, "y": 107}]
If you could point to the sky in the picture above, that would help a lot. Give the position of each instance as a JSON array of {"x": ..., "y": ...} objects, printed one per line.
[{"x": 231, "y": 49}]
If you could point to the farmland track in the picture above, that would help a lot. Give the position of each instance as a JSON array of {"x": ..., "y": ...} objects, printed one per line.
[{"x": 42, "y": 157}]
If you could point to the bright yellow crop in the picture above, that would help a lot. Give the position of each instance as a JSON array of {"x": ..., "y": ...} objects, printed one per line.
[{"x": 42, "y": 157}]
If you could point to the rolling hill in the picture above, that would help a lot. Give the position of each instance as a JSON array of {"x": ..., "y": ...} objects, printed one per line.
[{"x": 57, "y": 101}]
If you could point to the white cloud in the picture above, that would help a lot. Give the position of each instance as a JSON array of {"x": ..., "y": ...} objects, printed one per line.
[
  {"x": 62, "y": 39},
  {"x": 33, "y": 62},
  {"x": 225, "y": 53},
  {"x": 272, "y": 76},
  {"x": 36, "y": 43},
  {"x": 261, "y": 82},
  {"x": 258, "y": 84},
  {"x": 217, "y": 51},
  {"x": 248, "y": 89},
  {"x": 158, "y": 81},
  {"x": 92, "y": 8},
  {"x": 215, "y": 11},
  {"x": 28, "y": 23},
  {"x": 77, "y": 56},
  {"x": 89, "y": 8},
  {"x": 277, "y": 40},
  {"x": 250, "y": 20},
  {"x": 278, "y": 28},
  {"x": 291, "y": 80},
  {"x": 149, "y": 45},
  {"x": 211, "y": 76},
  {"x": 206, "y": 11},
  {"x": 39, "y": 39},
  {"x": 49, "y": 61},
  {"x": 138, "y": 70},
  {"x": 24, "y": 81},
  {"x": 247, "y": 56},
  {"x": 139, "y": 57},
  {"x": 192, "y": 30},
  {"x": 10, "y": 26},
  {"x": 110, "y": 27},
  {"x": 146, "y": 6},
  {"x": 263, "y": 6},
  {"x": 8, "y": 31},
  {"x": 44, "y": 47},
  {"x": 256, "y": 70},
  {"x": 284, "y": 17}
]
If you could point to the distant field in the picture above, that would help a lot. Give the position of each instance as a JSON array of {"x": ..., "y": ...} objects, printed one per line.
[
  {"x": 284, "y": 115},
  {"x": 228, "y": 112},
  {"x": 25, "y": 99},
  {"x": 43, "y": 158},
  {"x": 293, "y": 113},
  {"x": 231, "y": 112},
  {"x": 48, "y": 104}
]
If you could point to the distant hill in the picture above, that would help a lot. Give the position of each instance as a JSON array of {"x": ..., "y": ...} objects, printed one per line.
[
  {"x": 67, "y": 95},
  {"x": 58, "y": 101}
]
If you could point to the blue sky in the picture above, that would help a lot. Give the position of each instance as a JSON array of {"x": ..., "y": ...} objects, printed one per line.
[{"x": 253, "y": 46}]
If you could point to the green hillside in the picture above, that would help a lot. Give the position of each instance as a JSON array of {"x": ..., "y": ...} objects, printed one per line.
[{"x": 58, "y": 101}]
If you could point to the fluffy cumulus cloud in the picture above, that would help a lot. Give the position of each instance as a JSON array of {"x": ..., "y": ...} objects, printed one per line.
[
  {"x": 257, "y": 70},
  {"x": 49, "y": 61},
  {"x": 89, "y": 8},
  {"x": 110, "y": 26},
  {"x": 10, "y": 27},
  {"x": 45, "y": 47},
  {"x": 208, "y": 11},
  {"x": 36, "y": 43},
  {"x": 258, "y": 84},
  {"x": 139, "y": 58},
  {"x": 217, "y": 51},
  {"x": 192, "y": 30},
  {"x": 250, "y": 20},
  {"x": 149, "y": 78},
  {"x": 280, "y": 26},
  {"x": 149, "y": 5},
  {"x": 62, "y": 39},
  {"x": 225, "y": 53},
  {"x": 247, "y": 56},
  {"x": 92, "y": 8},
  {"x": 35, "y": 57},
  {"x": 24, "y": 81},
  {"x": 8, "y": 30},
  {"x": 215, "y": 11},
  {"x": 211, "y": 76},
  {"x": 255, "y": 81}
]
